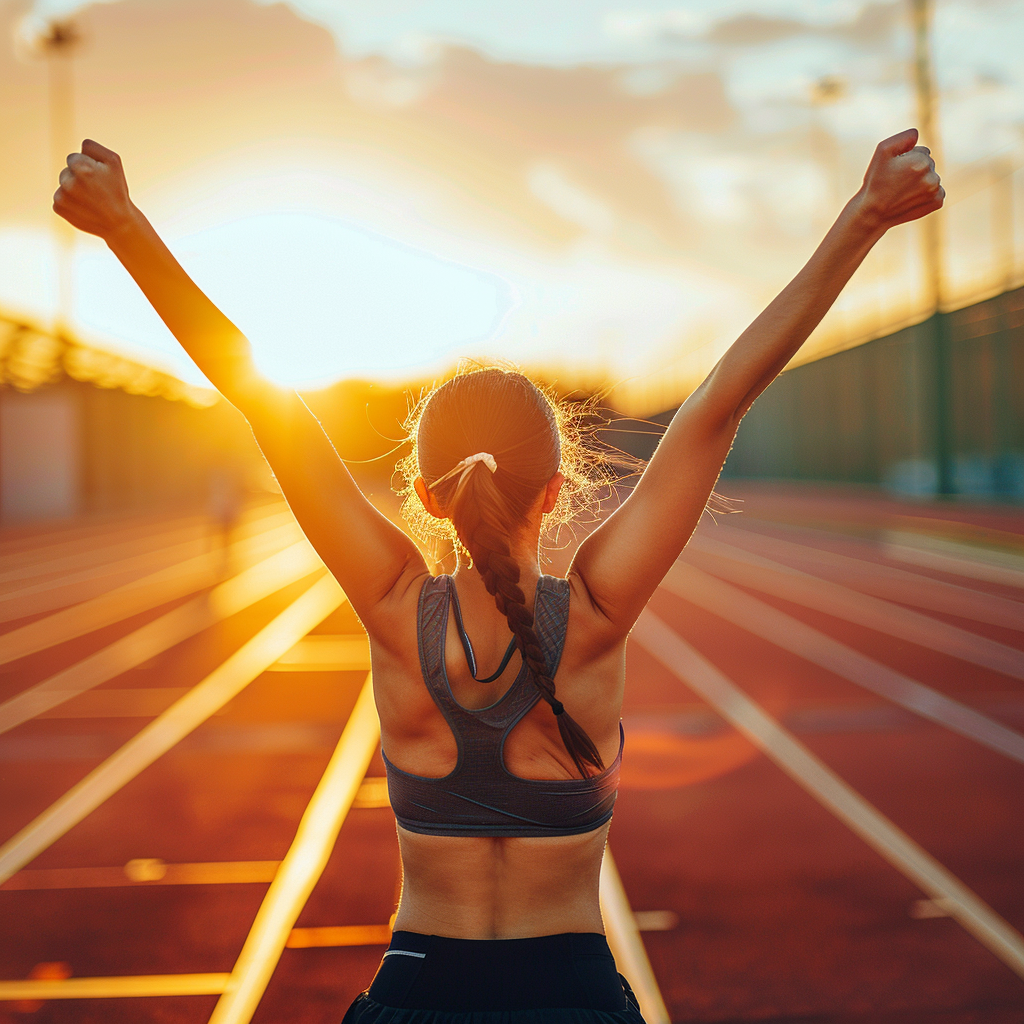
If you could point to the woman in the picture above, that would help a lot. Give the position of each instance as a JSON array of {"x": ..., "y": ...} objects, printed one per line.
[{"x": 502, "y": 782}]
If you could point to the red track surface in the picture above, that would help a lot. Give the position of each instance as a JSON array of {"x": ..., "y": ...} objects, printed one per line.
[{"x": 784, "y": 914}]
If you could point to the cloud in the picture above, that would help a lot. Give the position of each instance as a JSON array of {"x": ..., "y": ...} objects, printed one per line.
[
  {"x": 716, "y": 181},
  {"x": 643, "y": 26},
  {"x": 558, "y": 35},
  {"x": 549, "y": 183},
  {"x": 768, "y": 76}
]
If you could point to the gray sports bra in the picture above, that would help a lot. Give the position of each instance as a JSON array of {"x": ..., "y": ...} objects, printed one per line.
[{"x": 480, "y": 796}]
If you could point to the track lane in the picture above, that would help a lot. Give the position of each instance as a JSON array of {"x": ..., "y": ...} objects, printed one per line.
[{"x": 782, "y": 915}]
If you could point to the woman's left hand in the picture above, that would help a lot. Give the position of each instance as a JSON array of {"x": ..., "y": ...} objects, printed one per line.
[{"x": 900, "y": 184}]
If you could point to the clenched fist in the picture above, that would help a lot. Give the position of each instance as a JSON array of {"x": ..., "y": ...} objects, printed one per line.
[
  {"x": 93, "y": 193},
  {"x": 900, "y": 184}
]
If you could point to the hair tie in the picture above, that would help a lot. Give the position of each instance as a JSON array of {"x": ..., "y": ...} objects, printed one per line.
[
  {"x": 556, "y": 707},
  {"x": 467, "y": 463}
]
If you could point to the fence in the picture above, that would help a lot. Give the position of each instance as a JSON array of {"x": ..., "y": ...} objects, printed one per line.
[{"x": 934, "y": 408}]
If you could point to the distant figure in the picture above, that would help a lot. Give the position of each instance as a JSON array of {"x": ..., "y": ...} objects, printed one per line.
[
  {"x": 502, "y": 782},
  {"x": 224, "y": 503}
]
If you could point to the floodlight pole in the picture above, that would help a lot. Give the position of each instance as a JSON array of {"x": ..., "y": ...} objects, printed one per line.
[
  {"x": 932, "y": 247},
  {"x": 824, "y": 92},
  {"x": 58, "y": 46},
  {"x": 924, "y": 87}
]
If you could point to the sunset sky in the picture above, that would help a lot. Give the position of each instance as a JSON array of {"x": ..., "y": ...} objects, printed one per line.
[{"x": 608, "y": 191}]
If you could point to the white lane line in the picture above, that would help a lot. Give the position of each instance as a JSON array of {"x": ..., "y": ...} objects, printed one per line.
[
  {"x": 171, "y": 628},
  {"x": 93, "y": 561},
  {"x": 771, "y": 577},
  {"x": 127, "y": 987},
  {"x": 303, "y": 864},
  {"x": 873, "y": 578},
  {"x": 791, "y": 634},
  {"x": 69, "y": 587},
  {"x": 66, "y": 590},
  {"x": 957, "y": 559},
  {"x": 207, "y": 697},
  {"x": 130, "y": 540},
  {"x": 830, "y": 790},
  {"x": 82, "y": 546},
  {"x": 140, "y": 595},
  {"x": 626, "y": 945}
]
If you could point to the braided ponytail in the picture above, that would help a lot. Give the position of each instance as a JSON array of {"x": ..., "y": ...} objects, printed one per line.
[
  {"x": 476, "y": 511},
  {"x": 503, "y": 413}
]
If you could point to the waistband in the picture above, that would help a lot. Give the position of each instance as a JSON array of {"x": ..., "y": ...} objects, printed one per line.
[{"x": 433, "y": 972}]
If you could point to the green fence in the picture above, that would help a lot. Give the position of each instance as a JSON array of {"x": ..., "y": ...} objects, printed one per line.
[{"x": 934, "y": 408}]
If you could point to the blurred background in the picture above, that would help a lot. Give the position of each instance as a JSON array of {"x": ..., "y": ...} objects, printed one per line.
[{"x": 605, "y": 192}]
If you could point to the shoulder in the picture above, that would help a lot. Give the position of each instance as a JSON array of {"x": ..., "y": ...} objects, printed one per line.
[
  {"x": 392, "y": 622},
  {"x": 584, "y": 606},
  {"x": 591, "y": 632}
]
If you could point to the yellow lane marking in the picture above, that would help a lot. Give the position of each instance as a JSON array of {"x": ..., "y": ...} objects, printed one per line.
[
  {"x": 146, "y": 871},
  {"x": 656, "y": 920},
  {"x": 883, "y": 616},
  {"x": 339, "y": 935},
  {"x": 791, "y": 634},
  {"x": 373, "y": 792},
  {"x": 116, "y": 988},
  {"x": 380, "y": 935},
  {"x": 138, "y": 596},
  {"x": 626, "y": 945},
  {"x": 162, "y": 633},
  {"x": 225, "y": 682},
  {"x": 326, "y": 654},
  {"x": 303, "y": 864},
  {"x": 891, "y": 842},
  {"x": 875, "y": 578}
]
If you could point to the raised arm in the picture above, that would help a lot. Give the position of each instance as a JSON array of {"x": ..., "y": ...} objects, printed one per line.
[
  {"x": 623, "y": 562},
  {"x": 367, "y": 553}
]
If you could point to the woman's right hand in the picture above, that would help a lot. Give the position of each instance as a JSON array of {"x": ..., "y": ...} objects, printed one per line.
[{"x": 93, "y": 193}]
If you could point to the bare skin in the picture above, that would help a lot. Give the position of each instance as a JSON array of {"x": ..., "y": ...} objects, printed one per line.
[{"x": 481, "y": 888}]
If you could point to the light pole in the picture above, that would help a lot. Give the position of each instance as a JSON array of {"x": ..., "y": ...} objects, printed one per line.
[
  {"x": 824, "y": 92},
  {"x": 56, "y": 41},
  {"x": 932, "y": 240},
  {"x": 927, "y": 119}
]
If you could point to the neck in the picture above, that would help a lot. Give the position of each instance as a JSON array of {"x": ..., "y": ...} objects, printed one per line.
[{"x": 526, "y": 552}]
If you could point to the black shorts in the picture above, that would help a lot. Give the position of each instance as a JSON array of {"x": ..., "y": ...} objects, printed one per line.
[{"x": 428, "y": 979}]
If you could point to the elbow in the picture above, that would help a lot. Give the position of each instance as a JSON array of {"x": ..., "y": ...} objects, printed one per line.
[
  {"x": 747, "y": 403},
  {"x": 717, "y": 407}
]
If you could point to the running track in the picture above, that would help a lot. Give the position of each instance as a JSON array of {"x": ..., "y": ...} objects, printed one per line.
[{"x": 820, "y": 817}]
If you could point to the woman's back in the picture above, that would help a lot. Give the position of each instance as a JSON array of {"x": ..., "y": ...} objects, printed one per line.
[{"x": 532, "y": 864}]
